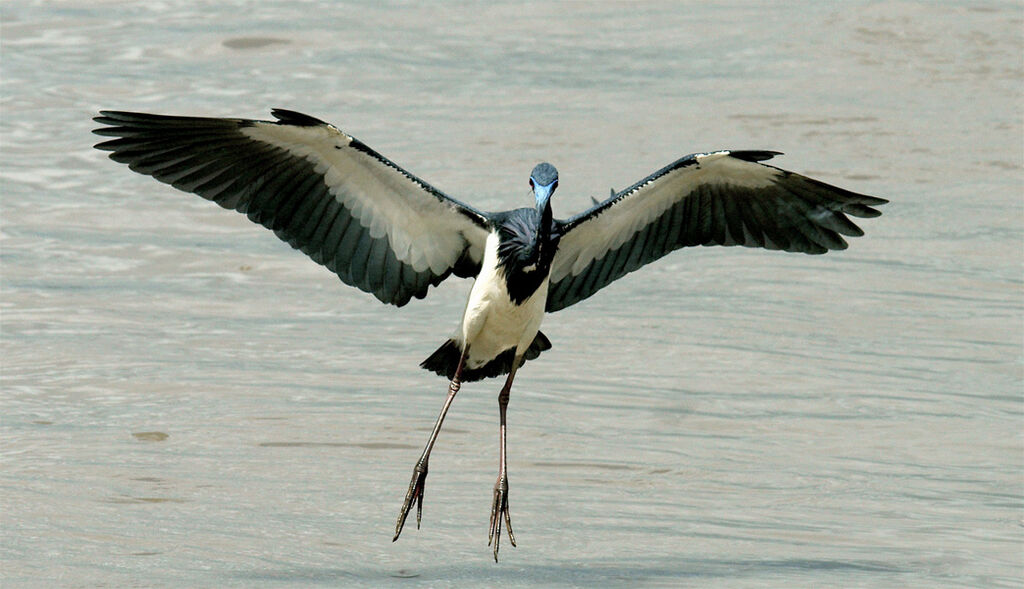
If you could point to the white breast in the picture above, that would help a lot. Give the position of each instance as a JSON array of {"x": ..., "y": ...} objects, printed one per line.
[{"x": 492, "y": 323}]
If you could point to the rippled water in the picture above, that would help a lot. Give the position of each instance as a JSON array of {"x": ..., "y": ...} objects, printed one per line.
[{"x": 187, "y": 402}]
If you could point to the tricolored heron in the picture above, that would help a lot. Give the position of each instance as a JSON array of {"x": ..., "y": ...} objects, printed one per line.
[{"x": 385, "y": 231}]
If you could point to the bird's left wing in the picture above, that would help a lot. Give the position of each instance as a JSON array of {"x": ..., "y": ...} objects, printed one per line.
[
  {"x": 720, "y": 198},
  {"x": 378, "y": 227}
]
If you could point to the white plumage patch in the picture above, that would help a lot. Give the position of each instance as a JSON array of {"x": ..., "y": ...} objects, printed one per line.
[
  {"x": 422, "y": 232},
  {"x": 492, "y": 323}
]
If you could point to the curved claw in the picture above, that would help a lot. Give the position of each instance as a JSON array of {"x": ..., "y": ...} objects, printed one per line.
[
  {"x": 499, "y": 512},
  {"x": 417, "y": 486}
]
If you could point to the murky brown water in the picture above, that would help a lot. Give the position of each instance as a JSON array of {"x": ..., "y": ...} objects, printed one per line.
[{"x": 188, "y": 403}]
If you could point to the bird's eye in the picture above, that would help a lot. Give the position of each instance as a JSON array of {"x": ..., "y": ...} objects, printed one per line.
[{"x": 531, "y": 182}]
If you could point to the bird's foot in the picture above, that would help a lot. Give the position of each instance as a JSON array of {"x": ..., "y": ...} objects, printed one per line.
[
  {"x": 415, "y": 493},
  {"x": 499, "y": 513}
]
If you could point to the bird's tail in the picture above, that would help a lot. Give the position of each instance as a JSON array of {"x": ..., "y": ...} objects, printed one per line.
[{"x": 445, "y": 360}]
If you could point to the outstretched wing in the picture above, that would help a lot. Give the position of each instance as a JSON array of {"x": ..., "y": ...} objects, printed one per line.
[
  {"x": 720, "y": 198},
  {"x": 378, "y": 227}
]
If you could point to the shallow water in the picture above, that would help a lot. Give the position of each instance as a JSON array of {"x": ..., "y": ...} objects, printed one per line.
[{"x": 187, "y": 402}]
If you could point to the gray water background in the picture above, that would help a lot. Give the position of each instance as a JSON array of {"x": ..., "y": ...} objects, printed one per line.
[{"x": 187, "y": 402}]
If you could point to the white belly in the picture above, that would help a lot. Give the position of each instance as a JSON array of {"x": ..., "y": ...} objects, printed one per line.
[{"x": 492, "y": 323}]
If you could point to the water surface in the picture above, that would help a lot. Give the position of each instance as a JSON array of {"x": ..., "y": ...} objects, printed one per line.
[{"x": 187, "y": 402}]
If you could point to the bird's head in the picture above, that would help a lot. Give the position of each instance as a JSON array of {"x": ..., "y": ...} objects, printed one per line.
[{"x": 543, "y": 181}]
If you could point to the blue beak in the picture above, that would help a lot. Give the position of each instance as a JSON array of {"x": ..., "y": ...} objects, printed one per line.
[{"x": 543, "y": 193}]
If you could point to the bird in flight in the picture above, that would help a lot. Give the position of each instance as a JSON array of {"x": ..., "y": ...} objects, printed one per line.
[{"x": 389, "y": 233}]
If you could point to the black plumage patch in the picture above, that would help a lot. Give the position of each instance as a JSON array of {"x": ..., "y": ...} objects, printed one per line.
[
  {"x": 751, "y": 155},
  {"x": 526, "y": 247},
  {"x": 290, "y": 117},
  {"x": 445, "y": 360}
]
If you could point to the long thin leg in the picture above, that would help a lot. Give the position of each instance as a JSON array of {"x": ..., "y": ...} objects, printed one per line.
[
  {"x": 499, "y": 507},
  {"x": 419, "y": 472}
]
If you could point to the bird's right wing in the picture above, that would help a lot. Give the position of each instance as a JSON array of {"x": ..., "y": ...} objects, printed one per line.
[
  {"x": 719, "y": 198},
  {"x": 378, "y": 227}
]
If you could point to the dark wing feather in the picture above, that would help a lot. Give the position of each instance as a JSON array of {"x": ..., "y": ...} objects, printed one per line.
[
  {"x": 720, "y": 198},
  {"x": 378, "y": 227}
]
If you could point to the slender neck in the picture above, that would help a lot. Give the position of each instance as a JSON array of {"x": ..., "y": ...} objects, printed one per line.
[{"x": 544, "y": 229}]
